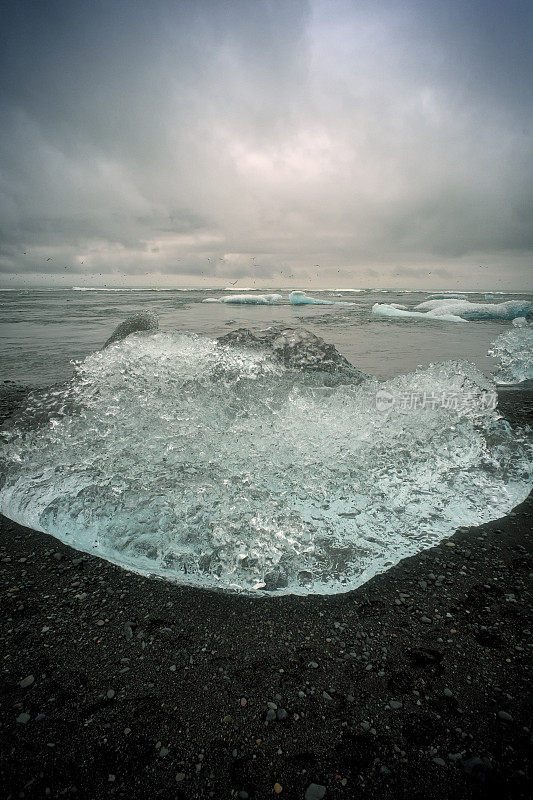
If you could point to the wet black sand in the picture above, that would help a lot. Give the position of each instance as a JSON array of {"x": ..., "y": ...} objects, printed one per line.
[{"x": 135, "y": 688}]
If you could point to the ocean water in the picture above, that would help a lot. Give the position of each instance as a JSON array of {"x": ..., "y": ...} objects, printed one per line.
[
  {"x": 222, "y": 467},
  {"x": 42, "y": 331}
]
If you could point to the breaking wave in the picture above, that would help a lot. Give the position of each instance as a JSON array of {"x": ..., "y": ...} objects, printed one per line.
[{"x": 216, "y": 466}]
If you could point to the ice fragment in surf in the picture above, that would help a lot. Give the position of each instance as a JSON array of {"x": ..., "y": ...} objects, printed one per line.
[{"x": 515, "y": 352}]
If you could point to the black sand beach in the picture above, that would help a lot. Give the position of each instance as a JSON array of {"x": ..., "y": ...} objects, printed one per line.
[{"x": 416, "y": 685}]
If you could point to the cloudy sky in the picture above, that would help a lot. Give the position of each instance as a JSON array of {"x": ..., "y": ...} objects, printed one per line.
[{"x": 277, "y": 142}]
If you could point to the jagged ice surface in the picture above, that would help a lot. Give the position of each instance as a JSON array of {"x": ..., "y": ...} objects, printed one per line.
[
  {"x": 216, "y": 466},
  {"x": 515, "y": 351}
]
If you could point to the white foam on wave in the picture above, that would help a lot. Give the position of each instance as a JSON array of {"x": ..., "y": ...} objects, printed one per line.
[
  {"x": 514, "y": 349},
  {"x": 216, "y": 467},
  {"x": 247, "y": 299},
  {"x": 120, "y": 289},
  {"x": 446, "y": 296}
]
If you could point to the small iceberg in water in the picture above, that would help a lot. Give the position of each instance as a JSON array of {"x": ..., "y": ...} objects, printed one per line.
[
  {"x": 298, "y": 298},
  {"x": 455, "y": 310},
  {"x": 392, "y": 311},
  {"x": 468, "y": 310}
]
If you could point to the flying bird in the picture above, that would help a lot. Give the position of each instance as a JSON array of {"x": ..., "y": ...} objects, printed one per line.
[
  {"x": 49, "y": 259},
  {"x": 234, "y": 282}
]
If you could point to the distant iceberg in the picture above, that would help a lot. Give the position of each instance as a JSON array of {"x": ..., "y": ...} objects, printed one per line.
[
  {"x": 392, "y": 311},
  {"x": 468, "y": 310},
  {"x": 248, "y": 299},
  {"x": 515, "y": 352},
  {"x": 298, "y": 298}
]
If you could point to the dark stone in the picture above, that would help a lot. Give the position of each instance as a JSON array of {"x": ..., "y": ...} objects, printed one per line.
[
  {"x": 400, "y": 682},
  {"x": 422, "y": 729},
  {"x": 425, "y": 655},
  {"x": 489, "y": 638}
]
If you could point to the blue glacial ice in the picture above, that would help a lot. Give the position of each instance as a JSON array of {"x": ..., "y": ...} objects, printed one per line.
[
  {"x": 514, "y": 349},
  {"x": 298, "y": 298},
  {"x": 219, "y": 466}
]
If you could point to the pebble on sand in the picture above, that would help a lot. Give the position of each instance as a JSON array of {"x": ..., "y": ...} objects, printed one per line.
[{"x": 315, "y": 792}]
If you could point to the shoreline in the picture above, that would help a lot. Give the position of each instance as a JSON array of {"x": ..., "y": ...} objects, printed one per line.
[{"x": 414, "y": 685}]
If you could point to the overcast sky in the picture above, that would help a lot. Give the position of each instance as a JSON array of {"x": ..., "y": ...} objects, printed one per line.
[{"x": 197, "y": 143}]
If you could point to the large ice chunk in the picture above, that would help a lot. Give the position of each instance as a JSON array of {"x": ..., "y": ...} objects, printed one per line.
[
  {"x": 216, "y": 465},
  {"x": 515, "y": 351},
  {"x": 392, "y": 311},
  {"x": 295, "y": 348},
  {"x": 468, "y": 310}
]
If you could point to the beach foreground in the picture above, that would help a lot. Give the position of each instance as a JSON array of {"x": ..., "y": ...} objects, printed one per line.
[{"x": 415, "y": 685}]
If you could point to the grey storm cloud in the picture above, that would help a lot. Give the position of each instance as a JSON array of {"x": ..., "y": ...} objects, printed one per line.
[{"x": 164, "y": 142}]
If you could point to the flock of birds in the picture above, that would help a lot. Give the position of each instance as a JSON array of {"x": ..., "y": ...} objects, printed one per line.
[{"x": 223, "y": 260}]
